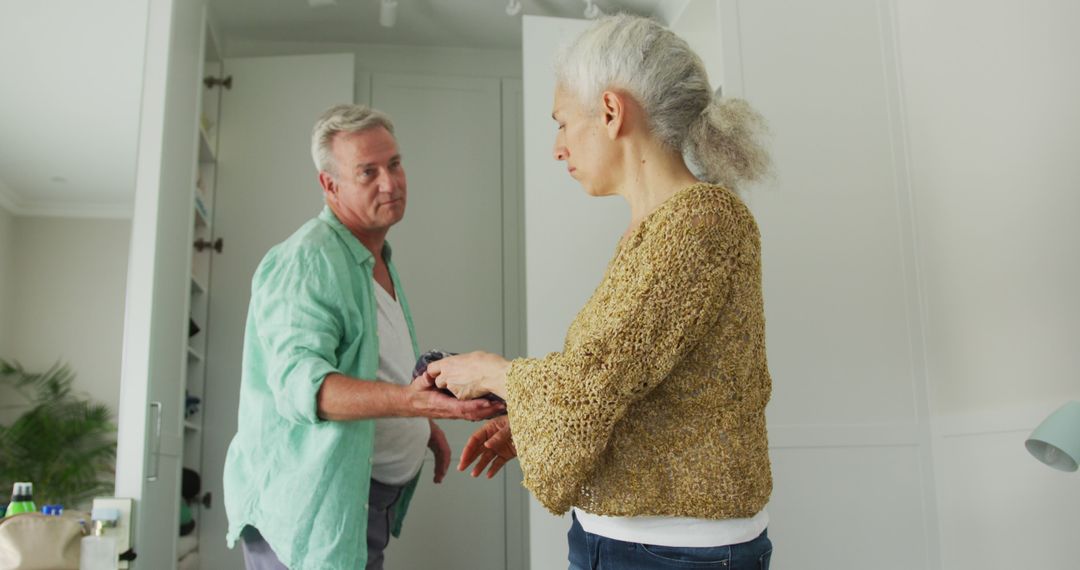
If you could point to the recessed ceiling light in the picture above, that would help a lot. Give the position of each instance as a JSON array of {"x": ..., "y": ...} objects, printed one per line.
[
  {"x": 319, "y": 3},
  {"x": 388, "y": 13}
]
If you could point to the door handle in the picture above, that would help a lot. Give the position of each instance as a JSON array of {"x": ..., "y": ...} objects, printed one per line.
[{"x": 156, "y": 453}]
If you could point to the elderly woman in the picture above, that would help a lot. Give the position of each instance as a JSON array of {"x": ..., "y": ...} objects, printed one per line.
[{"x": 650, "y": 424}]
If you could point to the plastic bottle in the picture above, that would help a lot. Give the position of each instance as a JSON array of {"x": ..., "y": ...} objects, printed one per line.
[
  {"x": 29, "y": 503},
  {"x": 15, "y": 492},
  {"x": 98, "y": 551},
  {"x": 22, "y": 499}
]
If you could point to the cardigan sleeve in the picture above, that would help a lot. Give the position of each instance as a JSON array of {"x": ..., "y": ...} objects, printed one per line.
[{"x": 656, "y": 303}]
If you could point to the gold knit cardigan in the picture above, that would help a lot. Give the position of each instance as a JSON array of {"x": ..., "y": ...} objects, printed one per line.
[{"x": 656, "y": 405}]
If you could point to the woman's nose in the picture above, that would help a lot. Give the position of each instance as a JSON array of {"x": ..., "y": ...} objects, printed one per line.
[{"x": 560, "y": 153}]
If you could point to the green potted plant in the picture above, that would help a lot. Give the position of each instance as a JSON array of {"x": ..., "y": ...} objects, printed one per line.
[{"x": 63, "y": 443}]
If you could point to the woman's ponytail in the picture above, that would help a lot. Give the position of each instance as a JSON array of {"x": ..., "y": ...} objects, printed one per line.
[{"x": 725, "y": 142}]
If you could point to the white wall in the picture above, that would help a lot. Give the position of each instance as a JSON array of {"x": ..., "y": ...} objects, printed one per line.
[
  {"x": 7, "y": 247},
  {"x": 7, "y": 241},
  {"x": 697, "y": 24},
  {"x": 66, "y": 290},
  {"x": 991, "y": 91}
]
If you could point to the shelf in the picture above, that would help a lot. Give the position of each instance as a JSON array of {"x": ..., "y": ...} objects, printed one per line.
[
  {"x": 197, "y": 286},
  {"x": 190, "y": 426},
  {"x": 194, "y": 354},
  {"x": 206, "y": 150},
  {"x": 202, "y": 214}
]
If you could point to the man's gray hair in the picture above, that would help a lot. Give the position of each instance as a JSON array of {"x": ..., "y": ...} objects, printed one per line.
[{"x": 346, "y": 118}]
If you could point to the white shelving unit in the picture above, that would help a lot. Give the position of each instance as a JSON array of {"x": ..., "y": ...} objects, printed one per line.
[{"x": 202, "y": 232}]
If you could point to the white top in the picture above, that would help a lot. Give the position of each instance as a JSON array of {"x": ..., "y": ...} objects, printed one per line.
[
  {"x": 675, "y": 531},
  {"x": 400, "y": 443}
]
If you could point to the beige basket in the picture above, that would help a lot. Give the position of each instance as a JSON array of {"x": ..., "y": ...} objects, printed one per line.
[{"x": 33, "y": 541}]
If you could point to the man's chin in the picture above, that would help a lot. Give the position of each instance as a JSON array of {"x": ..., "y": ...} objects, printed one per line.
[{"x": 400, "y": 215}]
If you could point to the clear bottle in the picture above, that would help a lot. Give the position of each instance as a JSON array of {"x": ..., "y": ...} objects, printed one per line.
[{"x": 98, "y": 551}]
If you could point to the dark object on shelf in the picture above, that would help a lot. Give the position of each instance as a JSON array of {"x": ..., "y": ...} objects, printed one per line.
[
  {"x": 190, "y": 484},
  {"x": 187, "y": 521},
  {"x": 193, "y": 328},
  {"x": 433, "y": 355},
  {"x": 191, "y": 405}
]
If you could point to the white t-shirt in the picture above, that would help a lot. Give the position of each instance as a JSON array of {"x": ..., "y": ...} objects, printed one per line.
[
  {"x": 675, "y": 531},
  {"x": 400, "y": 443}
]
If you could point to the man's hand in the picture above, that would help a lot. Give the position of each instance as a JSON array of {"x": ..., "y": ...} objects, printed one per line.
[
  {"x": 438, "y": 445},
  {"x": 423, "y": 399},
  {"x": 491, "y": 444},
  {"x": 471, "y": 375}
]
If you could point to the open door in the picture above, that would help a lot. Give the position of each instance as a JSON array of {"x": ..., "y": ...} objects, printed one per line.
[
  {"x": 582, "y": 244},
  {"x": 266, "y": 188},
  {"x": 150, "y": 439}
]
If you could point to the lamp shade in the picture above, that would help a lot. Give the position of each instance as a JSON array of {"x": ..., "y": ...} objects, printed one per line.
[{"x": 1056, "y": 442}]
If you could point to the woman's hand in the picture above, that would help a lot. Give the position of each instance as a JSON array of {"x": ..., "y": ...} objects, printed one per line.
[
  {"x": 492, "y": 444},
  {"x": 471, "y": 375},
  {"x": 438, "y": 445},
  {"x": 421, "y": 399}
]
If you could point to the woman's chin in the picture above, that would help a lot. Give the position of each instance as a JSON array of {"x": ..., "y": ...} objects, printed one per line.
[{"x": 596, "y": 191}]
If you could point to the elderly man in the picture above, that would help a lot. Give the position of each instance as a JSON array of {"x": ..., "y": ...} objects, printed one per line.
[{"x": 332, "y": 429}]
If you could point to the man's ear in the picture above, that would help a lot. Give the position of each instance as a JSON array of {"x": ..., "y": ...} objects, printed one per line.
[
  {"x": 329, "y": 186},
  {"x": 613, "y": 108}
]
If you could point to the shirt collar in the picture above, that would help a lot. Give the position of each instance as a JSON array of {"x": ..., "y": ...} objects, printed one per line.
[{"x": 360, "y": 253}]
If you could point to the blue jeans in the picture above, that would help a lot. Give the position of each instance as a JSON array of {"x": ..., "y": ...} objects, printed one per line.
[{"x": 592, "y": 552}]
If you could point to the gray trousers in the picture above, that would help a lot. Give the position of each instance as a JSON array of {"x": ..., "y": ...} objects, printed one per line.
[{"x": 381, "y": 502}]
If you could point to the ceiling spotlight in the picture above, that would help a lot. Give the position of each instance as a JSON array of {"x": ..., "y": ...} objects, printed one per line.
[
  {"x": 388, "y": 13},
  {"x": 513, "y": 8},
  {"x": 592, "y": 11}
]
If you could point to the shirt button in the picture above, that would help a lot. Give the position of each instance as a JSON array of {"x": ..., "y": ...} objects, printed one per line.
[{"x": 365, "y": 506}]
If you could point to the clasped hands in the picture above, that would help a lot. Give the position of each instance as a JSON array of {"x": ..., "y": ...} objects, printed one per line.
[{"x": 474, "y": 375}]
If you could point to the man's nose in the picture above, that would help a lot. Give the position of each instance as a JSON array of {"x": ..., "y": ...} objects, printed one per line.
[
  {"x": 560, "y": 152},
  {"x": 386, "y": 181}
]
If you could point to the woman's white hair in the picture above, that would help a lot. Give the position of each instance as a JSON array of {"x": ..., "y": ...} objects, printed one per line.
[
  {"x": 346, "y": 118},
  {"x": 658, "y": 68}
]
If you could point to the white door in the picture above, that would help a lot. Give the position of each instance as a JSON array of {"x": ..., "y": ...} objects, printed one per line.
[
  {"x": 266, "y": 189},
  {"x": 847, "y": 421},
  {"x": 564, "y": 229},
  {"x": 150, "y": 439},
  {"x": 449, "y": 253},
  {"x": 848, "y": 418}
]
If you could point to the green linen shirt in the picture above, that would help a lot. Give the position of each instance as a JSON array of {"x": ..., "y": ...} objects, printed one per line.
[{"x": 302, "y": 481}]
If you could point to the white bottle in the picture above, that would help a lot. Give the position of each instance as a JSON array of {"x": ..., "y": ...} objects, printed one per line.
[{"x": 98, "y": 551}]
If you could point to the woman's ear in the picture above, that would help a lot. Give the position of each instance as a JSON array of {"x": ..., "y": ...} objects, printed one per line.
[{"x": 613, "y": 107}]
